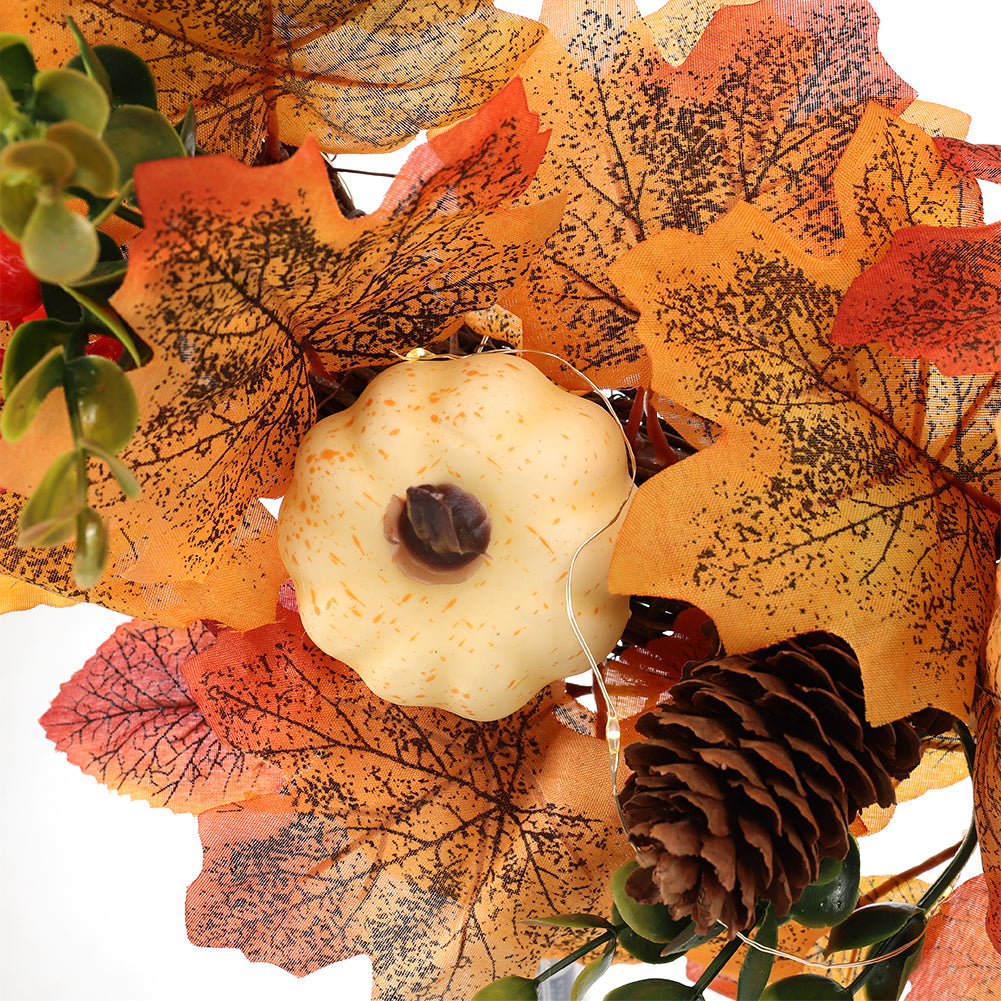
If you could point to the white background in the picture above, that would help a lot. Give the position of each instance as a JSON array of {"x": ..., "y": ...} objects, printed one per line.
[{"x": 93, "y": 884}]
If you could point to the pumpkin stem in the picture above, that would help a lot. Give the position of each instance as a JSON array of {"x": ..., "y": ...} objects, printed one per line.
[
  {"x": 444, "y": 525},
  {"x": 439, "y": 534}
]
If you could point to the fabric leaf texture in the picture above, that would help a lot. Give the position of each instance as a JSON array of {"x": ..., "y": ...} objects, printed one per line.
[{"x": 128, "y": 719}]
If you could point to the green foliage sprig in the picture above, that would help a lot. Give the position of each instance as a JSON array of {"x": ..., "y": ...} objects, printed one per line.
[{"x": 76, "y": 132}]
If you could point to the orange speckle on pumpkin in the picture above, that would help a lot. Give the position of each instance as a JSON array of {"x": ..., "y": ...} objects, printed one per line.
[
  {"x": 394, "y": 431},
  {"x": 358, "y": 543},
  {"x": 327, "y": 453}
]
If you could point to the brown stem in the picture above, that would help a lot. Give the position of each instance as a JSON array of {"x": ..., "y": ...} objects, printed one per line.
[{"x": 889, "y": 885}]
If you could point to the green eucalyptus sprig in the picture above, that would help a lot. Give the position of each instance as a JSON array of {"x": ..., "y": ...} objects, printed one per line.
[
  {"x": 892, "y": 932},
  {"x": 76, "y": 132}
]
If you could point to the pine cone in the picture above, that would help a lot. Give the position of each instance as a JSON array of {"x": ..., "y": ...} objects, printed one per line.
[{"x": 751, "y": 775}]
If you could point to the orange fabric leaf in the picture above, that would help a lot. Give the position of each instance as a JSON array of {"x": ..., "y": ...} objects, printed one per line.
[
  {"x": 936, "y": 295},
  {"x": 236, "y": 270},
  {"x": 892, "y": 176},
  {"x": 987, "y": 769},
  {"x": 17, "y": 596},
  {"x": 958, "y": 962},
  {"x": 980, "y": 160},
  {"x": 361, "y": 76},
  {"x": 128, "y": 719},
  {"x": 820, "y": 507},
  {"x": 405, "y": 831},
  {"x": 760, "y": 110}
]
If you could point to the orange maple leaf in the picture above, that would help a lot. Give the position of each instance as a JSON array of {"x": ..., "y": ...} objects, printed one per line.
[
  {"x": 413, "y": 835},
  {"x": 240, "y": 275},
  {"x": 359, "y": 76},
  {"x": 936, "y": 294},
  {"x": 127, "y": 718},
  {"x": 829, "y": 502},
  {"x": 760, "y": 110},
  {"x": 987, "y": 767}
]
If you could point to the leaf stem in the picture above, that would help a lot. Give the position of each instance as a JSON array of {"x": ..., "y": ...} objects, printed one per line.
[
  {"x": 945, "y": 879},
  {"x": 710, "y": 972},
  {"x": 129, "y": 215},
  {"x": 894, "y": 881},
  {"x": 580, "y": 951}
]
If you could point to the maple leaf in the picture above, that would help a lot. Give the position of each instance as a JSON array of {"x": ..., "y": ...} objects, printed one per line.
[
  {"x": 936, "y": 295},
  {"x": 828, "y": 502},
  {"x": 892, "y": 176},
  {"x": 760, "y": 111},
  {"x": 413, "y": 835},
  {"x": 958, "y": 963},
  {"x": 128, "y": 719},
  {"x": 240, "y": 276},
  {"x": 979, "y": 160},
  {"x": 357, "y": 76}
]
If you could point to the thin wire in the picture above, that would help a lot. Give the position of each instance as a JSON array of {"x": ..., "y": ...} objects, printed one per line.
[
  {"x": 613, "y": 729},
  {"x": 828, "y": 966}
]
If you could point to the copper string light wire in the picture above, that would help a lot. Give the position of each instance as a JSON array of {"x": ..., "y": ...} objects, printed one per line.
[
  {"x": 613, "y": 730},
  {"x": 828, "y": 966}
]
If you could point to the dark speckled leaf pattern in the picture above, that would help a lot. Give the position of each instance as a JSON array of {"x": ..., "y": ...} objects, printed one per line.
[
  {"x": 760, "y": 111},
  {"x": 358, "y": 75},
  {"x": 828, "y": 503},
  {"x": 411, "y": 834}
]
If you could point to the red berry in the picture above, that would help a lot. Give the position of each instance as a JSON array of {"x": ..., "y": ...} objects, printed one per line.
[
  {"x": 20, "y": 292},
  {"x": 106, "y": 347}
]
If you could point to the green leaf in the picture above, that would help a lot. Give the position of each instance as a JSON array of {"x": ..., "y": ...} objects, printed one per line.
[
  {"x": 186, "y": 131},
  {"x": 66, "y": 94},
  {"x": 48, "y": 517},
  {"x": 688, "y": 939},
  {"x": 104, "y": 273},
  {"x": 123, "y": 475},
  {"x": 757, "y": 965},
  {"x": 136, "y": 134},
  {"x": 13, "y": 124},
  {"x": 130, "y": 79},
  {"x": 888, "y": 980},
  {"x": 91, "y": 549},
  {"x": 592, "y": 972},
  {"x": 869, "y": 925},
  {"x": 28, "y": 345},
  {"x": 805, "y": 987},
  {"x": 47, "y": 164},
  {"x": 58, "y": 245},
  {"x": 825, "y": 904},
  {"x": 27, "y": 396},
  {"x": 508, "y": 989},
  {"x": 17, "y": 202},
  {"x": 17, "y": 64},
  {"x": 109, "y": 320},
  {"x": 653, "y": 990},
  {"x": 87, "y": 61},
  {"x": 651, "y": 921},
  {"x": 572, "y": 921},
  {"x": 104, "y": 400},
  {"x": 96, "y": 168}
]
